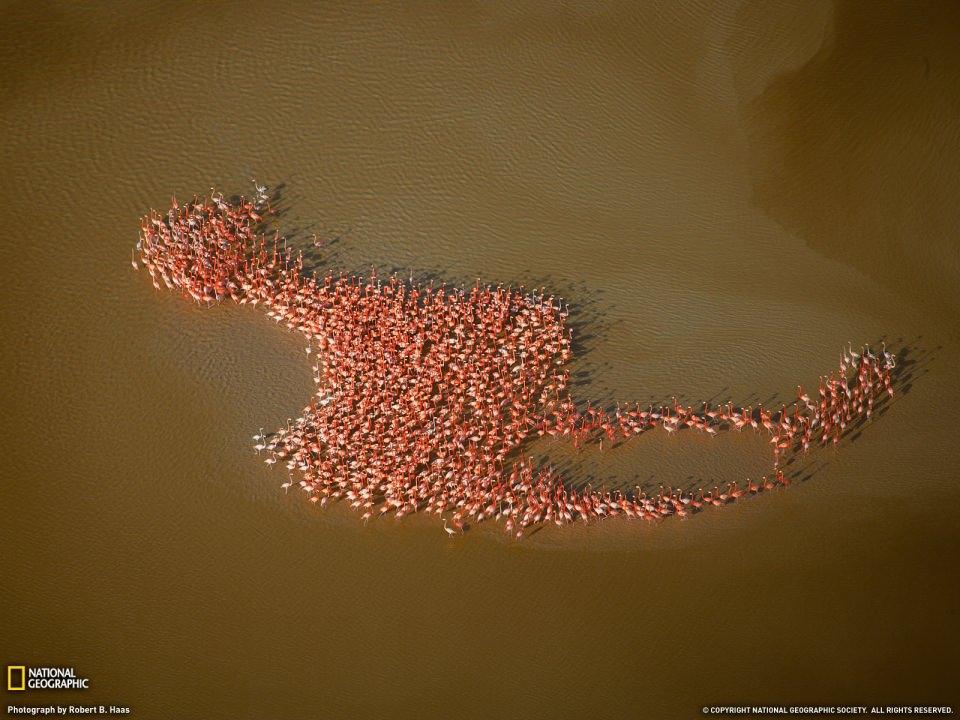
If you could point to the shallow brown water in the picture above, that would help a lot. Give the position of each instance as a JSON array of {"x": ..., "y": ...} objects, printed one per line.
[{"x": 726, "y": 194}]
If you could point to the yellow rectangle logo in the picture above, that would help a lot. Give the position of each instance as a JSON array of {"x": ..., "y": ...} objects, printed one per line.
[{"x": 16, "y": 677}]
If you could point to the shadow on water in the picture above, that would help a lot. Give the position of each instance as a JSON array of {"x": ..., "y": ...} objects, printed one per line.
[
  {"x": 324, "y": 250},
  {"x": 912, "y": 363}
]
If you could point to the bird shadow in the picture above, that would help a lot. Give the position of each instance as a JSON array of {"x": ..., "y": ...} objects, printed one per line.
[
  {"x": 325, "y": 250},
  {"x": 913, "y": 361}
]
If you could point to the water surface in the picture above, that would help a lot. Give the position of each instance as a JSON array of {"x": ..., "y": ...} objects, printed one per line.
[{"x": 726, "y": 195}]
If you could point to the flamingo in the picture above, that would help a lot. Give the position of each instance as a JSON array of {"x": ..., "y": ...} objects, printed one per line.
[{"x": 423, "y": 392}]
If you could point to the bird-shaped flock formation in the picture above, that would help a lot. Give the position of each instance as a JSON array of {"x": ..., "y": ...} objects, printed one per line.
[{"x": 425, "y": 394}]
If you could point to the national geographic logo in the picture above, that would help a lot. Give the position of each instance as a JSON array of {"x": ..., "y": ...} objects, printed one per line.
[
  {"x": 21, "y": 677},
  {"x": 16, "y": 677}
]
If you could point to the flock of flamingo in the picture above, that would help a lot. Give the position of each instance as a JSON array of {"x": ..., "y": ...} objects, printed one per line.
[{"x": 425, "y": 394}]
